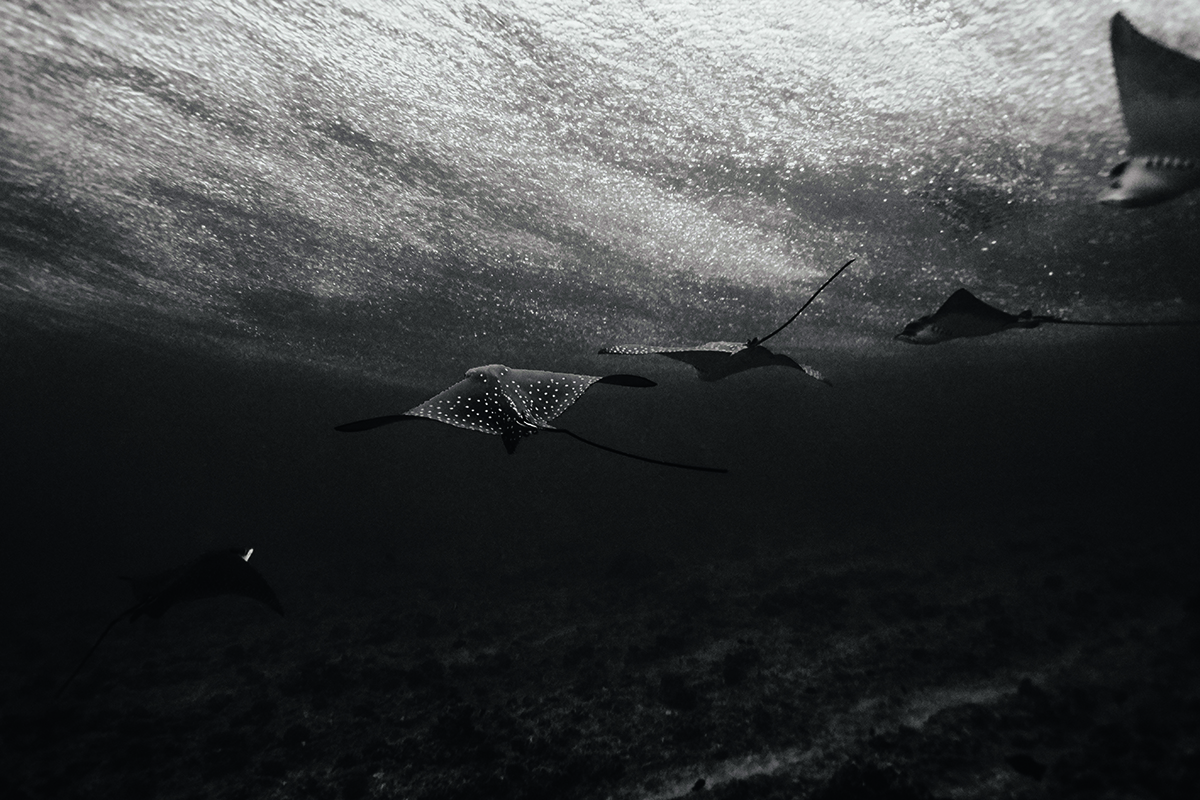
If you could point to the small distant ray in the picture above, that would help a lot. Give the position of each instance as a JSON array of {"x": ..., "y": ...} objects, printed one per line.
[
  {"x": 213, "y": 574},
  {"x": 513, "y": 403},
  {"x": 964, "y": 315},
  {"x": 716, "y": 360},
  {"x": 1160, "y": 100}
]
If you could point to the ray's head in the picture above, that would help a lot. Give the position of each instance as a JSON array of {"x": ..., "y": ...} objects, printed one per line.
[
  {"x": 1149, "y": 180},
  {"x": 922, "y": 331},
  {"x": 489, "y": 372}
]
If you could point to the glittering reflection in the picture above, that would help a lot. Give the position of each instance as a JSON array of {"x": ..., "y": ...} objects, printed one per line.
[{"x": 308, "y": 177}]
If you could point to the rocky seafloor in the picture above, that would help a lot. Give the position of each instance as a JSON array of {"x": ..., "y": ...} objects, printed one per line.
[{"x": 1037, "y": 658}]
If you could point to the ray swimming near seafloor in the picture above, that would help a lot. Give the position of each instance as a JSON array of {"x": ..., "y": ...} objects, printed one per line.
[
  {"x": 716, "y": 360},
  {"x": 513, "y": 403},
  {"x": 964, "y": 315},
  {"x": 1160, "y": 102},
  {"x": 219, "y": 572}
]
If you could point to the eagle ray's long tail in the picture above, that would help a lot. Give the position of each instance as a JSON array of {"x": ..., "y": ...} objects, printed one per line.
[
  {"x": 633, "y": 455},
  {"x": 88, "y": 655},
  {"x": 807, "y": 302},
  {"x": 1110, "y": 324}
]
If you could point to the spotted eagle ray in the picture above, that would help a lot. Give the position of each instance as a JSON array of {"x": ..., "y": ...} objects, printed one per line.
[
  {"x": 213, "y": 574},
  {"x": 716, "y": 360},
  {"x": 963, "y": 315},
  {"x": 1160, "y": 100},
  {"x": 513, "y": 403}
]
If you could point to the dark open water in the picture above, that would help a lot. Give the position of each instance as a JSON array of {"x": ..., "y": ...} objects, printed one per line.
[{"x": 227, "y": 227}]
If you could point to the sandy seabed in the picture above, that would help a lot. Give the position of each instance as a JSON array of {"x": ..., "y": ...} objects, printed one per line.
[{"x": 1041, "y": 661}]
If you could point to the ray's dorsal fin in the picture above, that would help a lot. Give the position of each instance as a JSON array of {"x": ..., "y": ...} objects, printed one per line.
[{"x": 756, "y": 341}]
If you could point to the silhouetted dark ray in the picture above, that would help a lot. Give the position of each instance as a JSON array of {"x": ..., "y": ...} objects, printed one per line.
[
  {"x": 211, "y": 575},
  {"x": 964, "y": 315},
  {"x": 513, "y": 403},
  {"x": 1160, "y": 100},
  {"x": 716, "y": 360}
]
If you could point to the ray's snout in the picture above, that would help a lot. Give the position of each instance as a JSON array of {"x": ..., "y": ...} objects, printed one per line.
[{"x": 919, "y": 332}]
